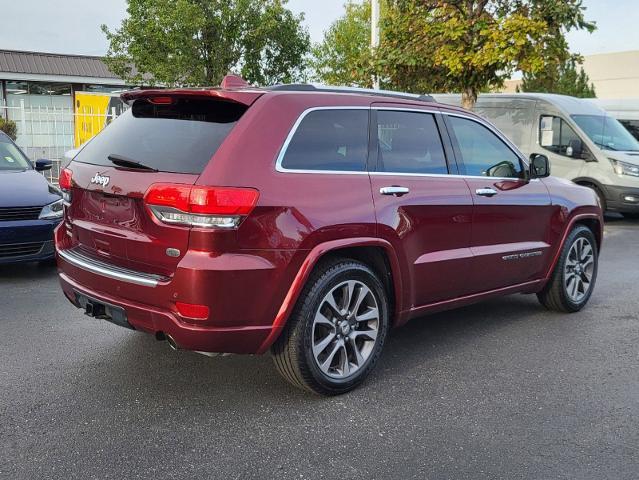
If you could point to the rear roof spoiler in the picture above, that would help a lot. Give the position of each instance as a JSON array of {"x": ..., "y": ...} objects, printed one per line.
[{"x": 243, "y": 96}]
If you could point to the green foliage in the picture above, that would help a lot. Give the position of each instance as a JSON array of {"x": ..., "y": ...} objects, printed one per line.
[
  {"x": 449, "y": 45},
  {"x": 9, "y": 127},
  {"x": 343, "y": 57},
  {"x": 563, "y": 79},
  {"x": 197, "y": 42}
]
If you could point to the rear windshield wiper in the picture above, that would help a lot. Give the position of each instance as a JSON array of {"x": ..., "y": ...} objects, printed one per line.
[{"x": 125, "y": 162}]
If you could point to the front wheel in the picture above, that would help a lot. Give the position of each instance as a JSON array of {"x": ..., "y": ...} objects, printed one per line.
[
  {"x": 337, "y": 330},
  {"x": 573, "y": 279}
]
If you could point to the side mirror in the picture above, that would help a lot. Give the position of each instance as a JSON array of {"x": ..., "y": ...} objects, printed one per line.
[
  {"x": 575, "y": 148},
  {"x": 539, "y": 166},
  {"x": 43, "y": 164}
]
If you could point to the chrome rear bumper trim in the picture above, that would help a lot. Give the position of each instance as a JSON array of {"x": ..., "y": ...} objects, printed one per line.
[{"x": 111, "y": 271}]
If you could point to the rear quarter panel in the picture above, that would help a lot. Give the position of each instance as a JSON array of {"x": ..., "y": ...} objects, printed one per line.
[{"x": 296, "y": 211}]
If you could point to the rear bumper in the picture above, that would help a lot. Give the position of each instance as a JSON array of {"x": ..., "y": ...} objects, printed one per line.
[
  {"x": 622, "y": 199},
  {"x": 27, "y": 241},
  {"x": 151, "y": 319}
]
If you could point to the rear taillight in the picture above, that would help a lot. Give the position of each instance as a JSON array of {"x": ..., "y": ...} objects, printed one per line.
[
  {"x": 65, "y": 181},
  {"x": 197, "y": 206}
]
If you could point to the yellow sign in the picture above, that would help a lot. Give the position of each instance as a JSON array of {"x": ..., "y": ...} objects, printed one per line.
[{"x": 91, "y": 115}]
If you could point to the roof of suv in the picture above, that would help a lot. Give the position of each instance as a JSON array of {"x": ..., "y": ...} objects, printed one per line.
[{"x": 237, "y": 90}]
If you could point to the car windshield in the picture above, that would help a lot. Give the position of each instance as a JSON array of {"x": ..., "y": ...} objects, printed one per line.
[
  {"x": 607, "y": 133},
  {"x": 11, "y": 158}
]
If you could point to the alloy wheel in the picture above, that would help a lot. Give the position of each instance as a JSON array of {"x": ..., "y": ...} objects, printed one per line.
[
  {"x": 345, "y": 329},
  {"x": 579, "y": 269}
]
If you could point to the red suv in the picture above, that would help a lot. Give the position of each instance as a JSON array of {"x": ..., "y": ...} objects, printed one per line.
[{"x": 309, "y": 221}]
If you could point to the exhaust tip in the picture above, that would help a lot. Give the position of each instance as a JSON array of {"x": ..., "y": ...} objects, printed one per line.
[{"x": 172, "y": 343}]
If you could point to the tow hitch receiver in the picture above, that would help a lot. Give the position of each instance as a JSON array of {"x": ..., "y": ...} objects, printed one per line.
[{"x": 102, "y": 311}]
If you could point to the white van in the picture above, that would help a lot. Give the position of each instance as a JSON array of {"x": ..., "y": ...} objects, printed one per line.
[{"x": 583, "y": 143}]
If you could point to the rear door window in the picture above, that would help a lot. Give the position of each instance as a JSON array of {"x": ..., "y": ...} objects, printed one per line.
[
  {"x": 329, "y": 140},
  {"x": 409, "y": 142},
  {"x": 181, "y": 137}
]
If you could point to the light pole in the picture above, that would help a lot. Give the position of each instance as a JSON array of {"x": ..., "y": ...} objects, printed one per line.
[{"x": 375, "y": 34}]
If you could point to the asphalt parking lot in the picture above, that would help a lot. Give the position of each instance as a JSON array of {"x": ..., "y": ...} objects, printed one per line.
[{"x": 498, "y": 390}]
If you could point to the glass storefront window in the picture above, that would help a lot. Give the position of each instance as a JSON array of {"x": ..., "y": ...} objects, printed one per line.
[{"x": 43, "y": 112}]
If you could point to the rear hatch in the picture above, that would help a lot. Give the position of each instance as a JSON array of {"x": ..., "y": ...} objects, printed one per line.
[{"x": 160, "y": 139}]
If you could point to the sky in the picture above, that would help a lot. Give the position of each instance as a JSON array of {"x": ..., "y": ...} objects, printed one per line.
[{"x": 73, "y": 26}]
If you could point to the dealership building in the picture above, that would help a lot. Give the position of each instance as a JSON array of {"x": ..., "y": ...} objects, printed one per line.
[{"x": 41, "y": 93}]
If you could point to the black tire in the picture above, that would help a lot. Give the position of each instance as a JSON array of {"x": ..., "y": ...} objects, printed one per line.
[
  {"x": 555, "y": 294},
  {"x": 293, "y": 350}
]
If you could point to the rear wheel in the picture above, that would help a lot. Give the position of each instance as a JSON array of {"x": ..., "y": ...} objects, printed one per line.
[
  {"x": 337, "y": 330},
  {"x": 573, "y": 279}
]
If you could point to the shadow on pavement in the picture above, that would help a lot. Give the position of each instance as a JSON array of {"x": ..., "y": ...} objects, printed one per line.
[
  {"x": 27, "y": 270},
  {"x": 138, "y": 363}
]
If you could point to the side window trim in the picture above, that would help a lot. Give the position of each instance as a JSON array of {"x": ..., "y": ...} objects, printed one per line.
[
  {"x": 451, "y": 158},
  {"x": 293, "y": 131},
  {"x": 447, "y": 136},
  {"x": 458, "y": 156},
  {"x": 374, "y": 147}
]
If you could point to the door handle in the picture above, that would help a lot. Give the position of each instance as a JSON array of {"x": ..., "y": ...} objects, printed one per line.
[
  {"x": 394, "y": 190},
  {"x": 486, "y": 192}
]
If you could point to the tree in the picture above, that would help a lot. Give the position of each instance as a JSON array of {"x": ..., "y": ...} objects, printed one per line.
[
  {"x": 9, "y": 127},
  {"x": 563, "y": 79},
  {"x": 472, "y": 45},
  {"x": 449, "y": 45},
  {"x": 343, "y": 57},
  {"x": 197, "y": 42}
]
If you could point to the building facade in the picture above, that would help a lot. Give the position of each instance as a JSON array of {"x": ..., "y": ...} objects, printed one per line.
[
  {"x": 41, "y": 92},
  {"x": 614, "y": 75}
]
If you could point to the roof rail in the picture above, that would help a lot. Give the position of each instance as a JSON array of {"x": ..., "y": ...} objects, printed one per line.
[{"x": 309, "y": 87}]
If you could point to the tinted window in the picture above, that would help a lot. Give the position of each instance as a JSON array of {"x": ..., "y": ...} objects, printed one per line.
[
  {"x": 409, "y": 143},
  {"x": 555, "y": 135},
  {"x": 11, "y": 158},
  {"x": 329, "y": 140},
  {"x": 482, "y": 152},
  {"x": 632, "y": 126},
  {"x": 180, "y": 138}
]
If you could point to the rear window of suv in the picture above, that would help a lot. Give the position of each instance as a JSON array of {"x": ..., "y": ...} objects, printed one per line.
[{"x": 179, "y": 138}]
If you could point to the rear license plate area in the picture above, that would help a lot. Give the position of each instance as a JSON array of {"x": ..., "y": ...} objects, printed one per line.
[{"x": 102, "y": 311}]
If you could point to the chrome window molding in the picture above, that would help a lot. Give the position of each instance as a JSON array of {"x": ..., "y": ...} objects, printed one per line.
[
  {"x": 451, "y": 175},
  {"x": 479, "y": 120}
]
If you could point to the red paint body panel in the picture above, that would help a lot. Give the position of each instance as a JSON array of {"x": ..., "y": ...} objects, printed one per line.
[
  {"x": 515, "y": 221},
  {"x": 443, "y": 245},
  {"x": 431, "y": 229}
]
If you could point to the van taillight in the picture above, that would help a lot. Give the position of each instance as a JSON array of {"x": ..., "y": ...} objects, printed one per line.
[{"x": 202, "y": 207}]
